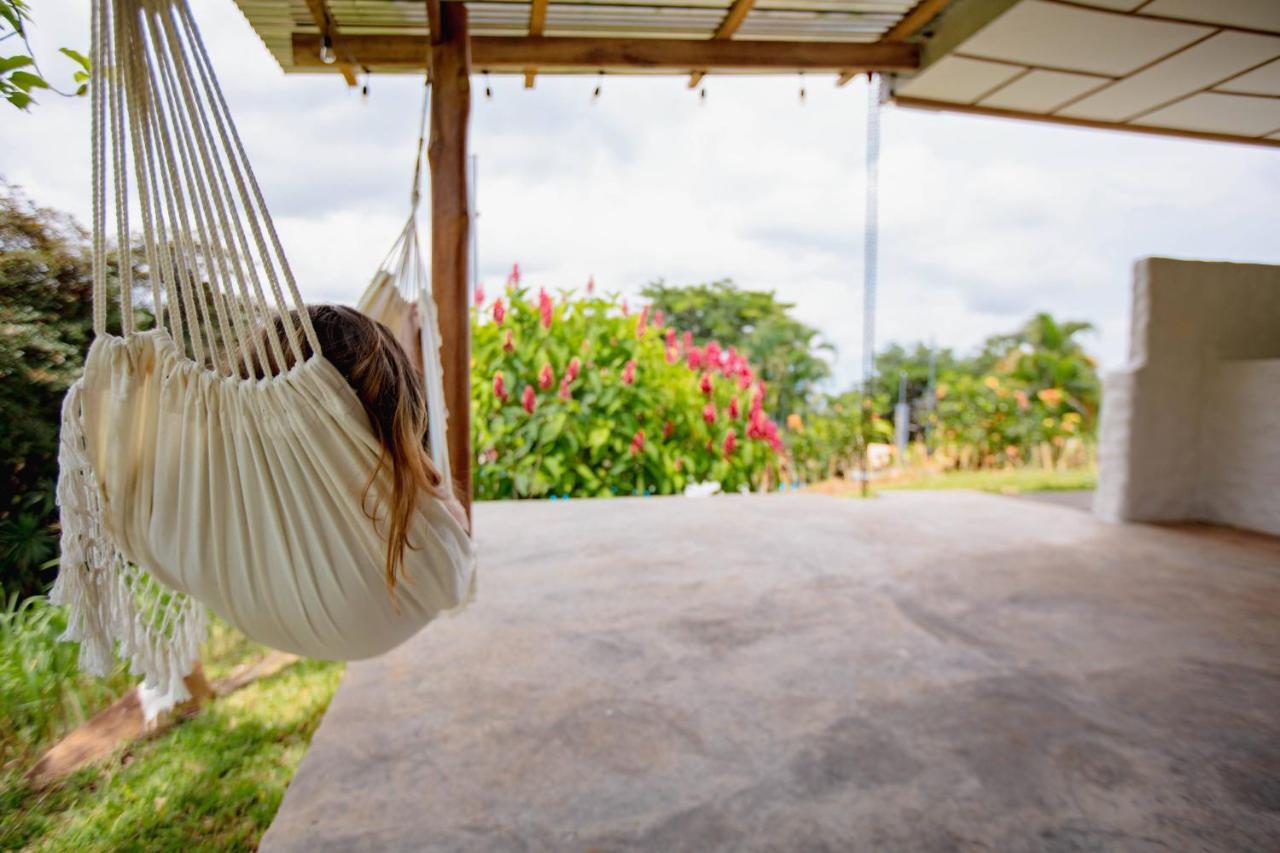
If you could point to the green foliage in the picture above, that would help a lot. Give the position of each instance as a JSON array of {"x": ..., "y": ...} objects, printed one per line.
[
  {"x": 594, "y": 401},
  {"x": 787, "y": 353},
  {"x": 1030, "y": 396},
  {"x": 20, "y": 76},
  {"x": 42, "y": 691},
  {"x": 827, "y": 440},
  {"x": 46, "y": 317}
]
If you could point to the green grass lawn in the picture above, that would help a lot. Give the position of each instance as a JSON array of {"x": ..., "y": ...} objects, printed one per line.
[
  {"x": 210, "y": 783},
  {"x": 1010, "y": 481}
]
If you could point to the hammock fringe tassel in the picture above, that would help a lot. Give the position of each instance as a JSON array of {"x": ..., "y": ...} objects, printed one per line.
[{"x": 111, "y": 604}]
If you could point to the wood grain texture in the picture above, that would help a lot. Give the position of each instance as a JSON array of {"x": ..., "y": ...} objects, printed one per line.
[
  {"x": 515, "y": 54},
  {"x": 451, "y": 227}
]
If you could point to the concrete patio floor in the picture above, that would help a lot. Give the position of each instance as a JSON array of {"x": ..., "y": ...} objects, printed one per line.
[{"x": 923, "y": 671}]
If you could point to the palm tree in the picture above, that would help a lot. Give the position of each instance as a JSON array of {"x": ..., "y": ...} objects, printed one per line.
[{"x": 1046, "y": 354}]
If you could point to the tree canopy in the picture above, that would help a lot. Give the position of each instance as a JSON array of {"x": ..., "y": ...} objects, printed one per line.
[{"x": 788, "y": 353}]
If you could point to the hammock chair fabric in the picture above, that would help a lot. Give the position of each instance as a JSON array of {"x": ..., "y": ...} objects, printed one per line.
[{"x": 183, "y": 484}]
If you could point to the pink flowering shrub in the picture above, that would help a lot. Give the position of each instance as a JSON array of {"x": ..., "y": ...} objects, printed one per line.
[{"x": 610, "y": 402}]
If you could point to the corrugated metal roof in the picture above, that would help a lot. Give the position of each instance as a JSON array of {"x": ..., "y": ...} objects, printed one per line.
[{"x": 854, "y": 21}]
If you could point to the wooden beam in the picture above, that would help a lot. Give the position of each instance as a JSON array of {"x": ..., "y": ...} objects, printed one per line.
[
  {"x": 732, "y": 20},
  {"x": 450, "y": 228},
  {"x": 434, "y": 27},
  {"x": 846, "y": 76},
  {"x": 537, "y": 26},
  {"x": 943, "y": 106},
  {"x": 508, "y": 54},
  {"x": 320, "y": 15},
  {"x": 912, "y": 22}
]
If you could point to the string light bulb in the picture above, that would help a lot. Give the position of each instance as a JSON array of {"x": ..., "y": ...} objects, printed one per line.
[
  {"x": 595, "y": 96},
  {"x": 327, "y": 56},
  {"x": 364, "y": 90},
  {"x": 802, "y": 92},
  {"x": 488, "y": 90}
]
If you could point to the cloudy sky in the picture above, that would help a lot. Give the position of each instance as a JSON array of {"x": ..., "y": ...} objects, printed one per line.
[{"x": 983, "y": 221}]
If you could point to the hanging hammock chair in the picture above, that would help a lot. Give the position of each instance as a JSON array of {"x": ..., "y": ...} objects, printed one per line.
[{"x": 182, "y": 484}]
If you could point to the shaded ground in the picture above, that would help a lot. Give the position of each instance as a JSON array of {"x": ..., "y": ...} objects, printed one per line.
[{"x": 924, "y": 671}]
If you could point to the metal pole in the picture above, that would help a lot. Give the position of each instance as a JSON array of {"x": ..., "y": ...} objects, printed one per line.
[
  {"x": 475, "y": 225},
  {"x": 871, "y": 238}
]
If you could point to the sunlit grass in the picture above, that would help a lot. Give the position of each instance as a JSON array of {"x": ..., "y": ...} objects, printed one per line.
[
  {"x": 212, "y": 782},
  {"x": 1002, "y": 481},
  {"x": 1006, "y": 481}
]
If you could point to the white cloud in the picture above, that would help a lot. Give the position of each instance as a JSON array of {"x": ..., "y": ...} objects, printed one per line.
[{"x": 982, "y": 221}]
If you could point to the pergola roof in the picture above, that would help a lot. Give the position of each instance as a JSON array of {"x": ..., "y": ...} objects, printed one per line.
[
  {"x": 1190, "y": 67},
  {"x": 1182, "y": 67}
]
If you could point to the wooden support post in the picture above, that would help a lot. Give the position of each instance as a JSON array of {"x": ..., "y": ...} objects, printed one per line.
[{"x": 451, "y": 226}]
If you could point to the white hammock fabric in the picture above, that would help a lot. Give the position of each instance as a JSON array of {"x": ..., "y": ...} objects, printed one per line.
[{"x": 183, "y": 484}]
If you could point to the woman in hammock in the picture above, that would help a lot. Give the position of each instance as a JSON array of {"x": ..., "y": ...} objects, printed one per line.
[{"x": 389, "y": 386}]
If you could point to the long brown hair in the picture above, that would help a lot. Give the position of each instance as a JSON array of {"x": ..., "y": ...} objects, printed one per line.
[{"x": 390, "y": 389}]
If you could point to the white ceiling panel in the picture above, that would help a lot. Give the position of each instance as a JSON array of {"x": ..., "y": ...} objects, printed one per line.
[
  {"x": 1042, "y": 91},
  {"x": 958, "y": 80},
  {"x": 1069, "y": 38},
  {"x": 1259, "y": 81},
  {"x": 1214, "y": 113},
  {"x": 1255, "y": 14},
  {"x": 1198, "y": 67}
]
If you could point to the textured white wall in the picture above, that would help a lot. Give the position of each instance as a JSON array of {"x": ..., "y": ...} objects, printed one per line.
[{"x": 1191, "y": 425}]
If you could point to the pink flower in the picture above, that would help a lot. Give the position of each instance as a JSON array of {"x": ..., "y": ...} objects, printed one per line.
[
  {"x": 545, "y": 377},
  {"x": 709, "y": 413},
  {"x": 544, "y": 308},
  {"x": 499, "y": 386},
  {"x": 673, "y": 355},
  {"x": 733, "y": 408},
  {"x": 499, "y": 311},
  {"x": 527, "y": 399},
  {"x": 688, "y": 340},
  {"x": 508, "y": 342},
  {"x": 667, "y": 429},
  {"x": 479, "y": 296},
  {"x": 591, "y": 285},
  {"x": 744, "y": 380},
  {"x": 659, "y": 319},
  {"x": 629, "y": 373},
  {"x": 693, "y": 356},
  {"x": 626, "y": 311},
  {"x": 671, "y": 337},
  {"x": 643, "y": 325},
  {"x": 564, "y": 388},
  {"x": 574, "y": 366},
  {"x": 730, "y": 442},
  {"x": 705, "y": 384},
  {"x": 637, "y": 442},
  {"x": 513, "y": 280},
  {"x": 713, "y": 354}
]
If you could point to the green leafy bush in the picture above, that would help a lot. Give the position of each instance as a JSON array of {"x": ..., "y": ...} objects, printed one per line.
[{"x": 579, "y": 396}]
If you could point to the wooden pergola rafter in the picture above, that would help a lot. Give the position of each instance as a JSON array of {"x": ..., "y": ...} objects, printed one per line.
[
  {"x": 329, "y": 29},
  {"x": 732, "y": 20}
]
